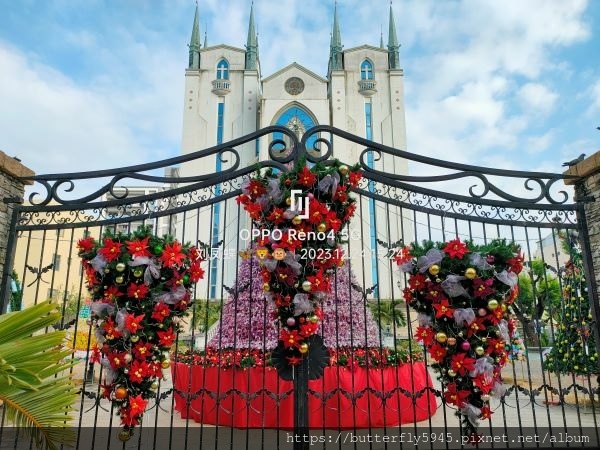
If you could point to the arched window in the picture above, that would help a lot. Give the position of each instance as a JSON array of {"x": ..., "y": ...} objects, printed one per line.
[
  {"x": 366, "y": 70},
  {"x": 223, "y": 70},
  {"x": 297, "y": 119}
]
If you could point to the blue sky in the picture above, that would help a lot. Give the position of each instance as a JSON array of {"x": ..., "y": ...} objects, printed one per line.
[{"x": 99, "y": 84}]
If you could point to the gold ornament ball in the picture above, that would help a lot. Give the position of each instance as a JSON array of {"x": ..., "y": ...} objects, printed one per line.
[
  {"x": 314, "y": 319},
  {"x": 504, "y": 307},
  {"x": 288, "y": 201},
  {"x": 493, "y": 304},
  {"x": 106, "y": 270},
  {"x": 124, "y": 435},
  {"x": 120, "y": 267},
  {"x": 441, "y": 337},
  {"x": 119, "y": 279},
  {"x": 134, "y": 338},
  {"x": 451, "y": 341},
  {"x": 128, "y": 357},
  {"x": 344, "y": 169},
  {"x": 154, "y": 385},
  {"x": 485, "y": 397},
  {"x": 434, "y": 269},
  {"x": 470, "y": 273},
  {"x": 266, "y": 287},
  {"x": 479, "y": 351},
  {"x": 303, "y": 348},
  {"x": 138, "y": 272},
  {"x": 451, "y": 373},
  {"x": 306, "y": 285},
  {"x": 322, "y": 227},
  {"x": 166, "y": 363},
  {"x": 296, "y": 220}
]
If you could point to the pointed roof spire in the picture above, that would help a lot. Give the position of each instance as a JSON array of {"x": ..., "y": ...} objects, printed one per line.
[
  {"x": 252, "y": 43},
  {"x": 381, "y": 39},
  {"x": 335, "y": 58},
  {"x": 206, "y": 37},
  {"x": 194, "y": 60},
  {"x": 393, "y": 45}
]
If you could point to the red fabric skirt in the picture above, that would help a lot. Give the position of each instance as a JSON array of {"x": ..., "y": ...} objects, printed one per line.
[{"x": 342, "y": 398}]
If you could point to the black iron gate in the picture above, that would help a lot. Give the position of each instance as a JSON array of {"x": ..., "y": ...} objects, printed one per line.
[{"x": 221, "y": 391}]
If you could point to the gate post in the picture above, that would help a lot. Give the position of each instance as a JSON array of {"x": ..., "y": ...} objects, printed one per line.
[
  {"x": 12, "y": 190},
  {"x": 585, "y": 176}
]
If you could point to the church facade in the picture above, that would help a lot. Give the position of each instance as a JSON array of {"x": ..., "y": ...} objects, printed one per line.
[{"x": 227, "y": 97}]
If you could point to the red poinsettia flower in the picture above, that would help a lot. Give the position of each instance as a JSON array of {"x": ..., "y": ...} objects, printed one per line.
[
  {"x": 139, "y": 247},
  {"x": 111, "y": 249},
  {"x": 476, "y": 327},
  {"x": 138, "y": 291},
  {"x": 290, "y": 339},
  {"x": 306, "y": 177},
  {"x": 443, "y": 309},
  {"x": 172, "y": 255},
  {"x": 135, "y": 408},
  {"x": 196, "y": 272},
  {"x": 407, "y": 293},
  {"x": 112, "y": 293},
  {"x": 161, "y": 311},
  {"x": 293, "y": 360},
  {"x": 318, "y": 211},
  {"x": 486, "y": 412},
  {"x": 319, "y": 282},
  {"x": 138, "y": 371},
  {"x": 289, "y": 242},
  {"x": 455, "y": 249},
  {"x": 133, "y": 323},
  {"x": 435, "y": 292},
  {"x": 256, "y": 188},
  {"x": 307, "y": 329},
  {"x": 349, "y": 212},
  {"x": 333, "y": 222},
  {"x": 276, "y": 216},
  {"x": 516, "y": 262},
  {"x": 437, "y": 352},
  {"x": 116, "y": 359},
  {"x": 417, "y": 281},
  {"x": 461, "y": 363},
  {"x": 454, "y": 396},
  {"x": 425, "y": 335},
  {"x": 286, "y": 275},
  {"x": 242, "y": 199},
  {"x": 96, "y": 356},
  {"x": 142, "y": 350},
  {"x": 354, "y": 178},
  {"x": 484, "y": 386},
  {"x": 166, "y": 338},
  {"x": 155, "y": 370},
  {"x": 86, "y": 245},
  {"x": 402, "y": 255},
  {"x": 110, "y": 329},
  {"x": 482, "y": 288},
  {"x": 341, "y": 194}
]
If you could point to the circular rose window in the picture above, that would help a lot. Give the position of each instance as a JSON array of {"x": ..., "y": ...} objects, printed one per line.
[{"x": 294, "y": 86}]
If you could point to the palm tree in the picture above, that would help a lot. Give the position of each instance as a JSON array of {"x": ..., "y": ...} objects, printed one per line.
[
  {"x": 36, "y": 396},
  {"x": 388, "y": 313}
]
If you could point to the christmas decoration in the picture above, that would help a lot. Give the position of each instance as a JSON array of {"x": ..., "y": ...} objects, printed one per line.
[
  {"x": 574, "y": 349},
  {"x": 140, "y": 286},
  {"x": 301, "y": 211},
  {"x": 464, "y": 322}
]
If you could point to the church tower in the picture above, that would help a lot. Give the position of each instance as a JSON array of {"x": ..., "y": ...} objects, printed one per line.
[{"x": 226, "y": 98}]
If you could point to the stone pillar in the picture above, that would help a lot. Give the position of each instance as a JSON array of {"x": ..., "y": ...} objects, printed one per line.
[
  {"x": 12, "y": 190},
  {"x": 585, "y": 177}
]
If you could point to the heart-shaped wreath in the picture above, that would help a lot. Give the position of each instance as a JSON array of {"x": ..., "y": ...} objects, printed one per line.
[
  {"x": 140, "y": 286},
  {"x": 463, "y": 294},
  {"x": 300, "y": 217}
]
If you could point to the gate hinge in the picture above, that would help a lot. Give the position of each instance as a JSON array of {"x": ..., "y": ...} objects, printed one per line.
[{"x": 15, "y": 199}]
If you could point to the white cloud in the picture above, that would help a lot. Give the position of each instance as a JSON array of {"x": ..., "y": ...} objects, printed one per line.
[{"x": 537, "y": 97}]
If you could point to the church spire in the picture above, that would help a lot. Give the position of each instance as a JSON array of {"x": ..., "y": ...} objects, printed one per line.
[
  {"x": 381, "y": 38},
  {"x": 393, "y": 46},
  {"x": 205, "y": 38},
  {"x": 335, "y": 57},
  {"x": 252, "y": 43},
  {"x": 194, "y": 60}
]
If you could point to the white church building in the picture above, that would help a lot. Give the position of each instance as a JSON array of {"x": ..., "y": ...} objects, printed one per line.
[{"x": 227, "y": 97}]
